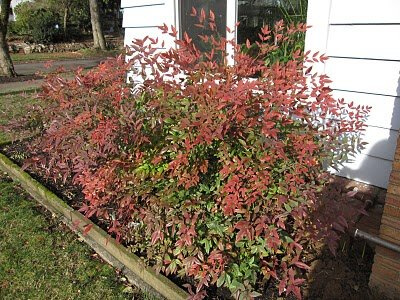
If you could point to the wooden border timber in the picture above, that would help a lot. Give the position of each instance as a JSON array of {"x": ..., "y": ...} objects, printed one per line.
[{"x": 106, "y": 246}]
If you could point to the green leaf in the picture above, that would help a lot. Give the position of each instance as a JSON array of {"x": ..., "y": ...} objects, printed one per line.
[
  {"x": 255, "y": 294},
  {"x": 228, "y": 281},
  {"x": 221, "y": 279},
  {"x": 177, "y": 251},
  {"x": 242, "y": 142},
  {"x": 287, "y": 207}
]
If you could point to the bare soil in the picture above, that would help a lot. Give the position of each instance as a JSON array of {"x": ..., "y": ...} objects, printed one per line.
[{"x": 19, "y": 78}]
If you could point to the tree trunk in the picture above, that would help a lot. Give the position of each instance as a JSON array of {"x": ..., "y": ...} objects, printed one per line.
[
  {"x": 66, "y": 13},
  {"x": 98, "y": 36},
  {"x": 6, "y": 65},
  {"x": 117, "y": 28}
]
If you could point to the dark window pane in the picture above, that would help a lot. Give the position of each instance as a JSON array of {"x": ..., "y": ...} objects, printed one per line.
[
  {"x": 255, "y": 14},
  {"x": 188, "y": 22}
]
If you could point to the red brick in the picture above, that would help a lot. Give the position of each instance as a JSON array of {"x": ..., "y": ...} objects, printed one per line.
[
  {"x": 391, "y": 211},
  {"x": 390, "y": 290},
  {"x": 396, "y": 165},
  {"x": 394, "y": 189},
  {"x": 391, "y": 232},
  {"x": 395, "y": 177},
  {"x": 386, "y": 274},
  {"x": 386, "y": 268},
  {"x": 392, "y": 222},
  {"x": 393, "y": 200},
  {"x": 390, "y": 254},
  {"x": 388, "y": 263}
]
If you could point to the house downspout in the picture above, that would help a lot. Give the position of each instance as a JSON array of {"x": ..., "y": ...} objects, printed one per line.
[
  {"x": 372, "y": 238},
  {"x": 376, "y": 240}
]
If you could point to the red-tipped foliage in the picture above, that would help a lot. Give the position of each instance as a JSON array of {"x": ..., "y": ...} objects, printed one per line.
[{"x": 210, "y": 170}]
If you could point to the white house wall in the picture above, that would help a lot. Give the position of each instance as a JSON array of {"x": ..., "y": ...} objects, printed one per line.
[
  {"x": 365, "y": 41},
  {"x": 362, "y": 39},
  {"x": 364, "y": 11},
  {"x": 143, "y": 17}
]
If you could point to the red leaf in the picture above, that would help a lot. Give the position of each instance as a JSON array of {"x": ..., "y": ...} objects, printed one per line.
[
  {"x": 212, "y": 16},
  {"x": 301, "y": 265},
  {"x": 194, "y": 12},
  {"x": 248, "y": 45},
  {"x": 87, "y": 228}
]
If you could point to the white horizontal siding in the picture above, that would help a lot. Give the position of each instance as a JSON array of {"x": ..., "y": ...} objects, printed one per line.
[
  {"x": 365, "y": 41},
  {"x": 368, "y": 169},
  {"x": 133, "y": 3},
  {"x": 381, "y": 142},
  {"x": 368, "y": 76},
  {"x": 385, "y": 110},
  {"x": 144, "y": 16},
  {"x": 364, "y": 11},
  {"x": 362, "y": 39}
]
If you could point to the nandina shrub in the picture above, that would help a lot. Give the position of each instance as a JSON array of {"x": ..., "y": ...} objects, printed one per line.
[{"x": 207, "y": 173}]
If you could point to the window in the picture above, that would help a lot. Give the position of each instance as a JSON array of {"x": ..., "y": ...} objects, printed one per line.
[
  {"x": 255, "y": 14},
  {"x": 251, "y": 14},
  {"x": 187, "y": 22}
]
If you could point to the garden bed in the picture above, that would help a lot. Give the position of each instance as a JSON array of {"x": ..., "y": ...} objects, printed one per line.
[
  {"x": 19, "y": 78},
  {"x": 102, "y": 243},
  {"x": 342, "y": 277}
]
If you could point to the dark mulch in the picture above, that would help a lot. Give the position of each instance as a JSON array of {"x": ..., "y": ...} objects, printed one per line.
[
  {"x": 19, "y": 78},
  {"x": 344, "y": 276}
]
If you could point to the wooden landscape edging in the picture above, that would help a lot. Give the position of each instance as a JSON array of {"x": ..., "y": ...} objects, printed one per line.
[{"x": 106, "y": 246}]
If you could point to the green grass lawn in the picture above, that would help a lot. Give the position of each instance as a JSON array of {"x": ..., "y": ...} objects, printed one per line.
[
  {"x": 13, "y": 107},
  {"x": 40, "y": 259},
  {"x": 81, "y": 54}
]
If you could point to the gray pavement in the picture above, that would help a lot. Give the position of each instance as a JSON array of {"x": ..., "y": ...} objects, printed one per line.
[{"x": 33, "y": 67}]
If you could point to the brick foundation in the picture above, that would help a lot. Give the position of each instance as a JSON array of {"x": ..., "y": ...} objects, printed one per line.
[{"x": 386, "y": 268}]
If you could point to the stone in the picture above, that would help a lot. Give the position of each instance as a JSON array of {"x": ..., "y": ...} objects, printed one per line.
[{"x": 27, "y": 49}]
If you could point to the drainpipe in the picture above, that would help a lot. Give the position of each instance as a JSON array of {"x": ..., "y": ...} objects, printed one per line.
[
  {"x": 377, "y": 240},
  {"x": 371, "y": 238}
]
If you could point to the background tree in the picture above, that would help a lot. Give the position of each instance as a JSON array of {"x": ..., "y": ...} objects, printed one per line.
[
  {"x": 66, "y": 6},
  {"x": 50, "y": 21},
  {"x": 98, "y": 36},
  {"x": 75, "y": 16},
  {"x": 6, "y": 65},
  {"x": 111, "y": 11},
  {"x": 70, "y": 18}
]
